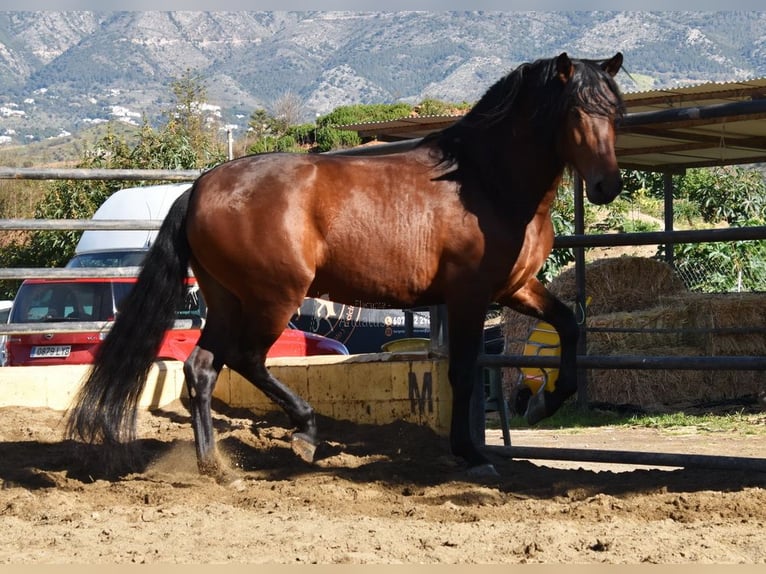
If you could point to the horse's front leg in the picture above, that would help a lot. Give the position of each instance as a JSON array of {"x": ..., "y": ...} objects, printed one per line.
[
  {"x": 465, "y": 325},
  {"x": 535, "y": 300}
]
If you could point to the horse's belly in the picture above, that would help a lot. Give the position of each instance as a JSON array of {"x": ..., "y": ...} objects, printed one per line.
[{"x": 375, "y": 283}]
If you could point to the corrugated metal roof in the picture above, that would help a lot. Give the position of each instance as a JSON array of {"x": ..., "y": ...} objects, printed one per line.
[
  {"x": 402, "y": 128},
  {"x": 669, "y": 129},
  {"x": 716, "y": 123},
  {"x": 695, "y": 95}
]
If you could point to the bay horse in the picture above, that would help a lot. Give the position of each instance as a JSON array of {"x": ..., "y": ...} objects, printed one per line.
[{"x": 461, "y": 219}]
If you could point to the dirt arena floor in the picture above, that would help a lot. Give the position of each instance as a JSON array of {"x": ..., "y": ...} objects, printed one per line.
[{"x": 377, "y": 495}]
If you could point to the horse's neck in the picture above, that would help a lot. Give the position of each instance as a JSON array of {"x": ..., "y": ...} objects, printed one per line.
[
  {"x": 531, "y": 175},
  {"x": 516, "y": 173}
]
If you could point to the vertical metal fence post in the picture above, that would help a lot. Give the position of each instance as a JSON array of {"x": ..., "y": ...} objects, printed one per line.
[
  {"x": 667, "y": 185},
  {"x": 579, "y": 253}
]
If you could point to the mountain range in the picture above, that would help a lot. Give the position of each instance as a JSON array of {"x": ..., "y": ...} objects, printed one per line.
[{"x": 63, "y": 71}]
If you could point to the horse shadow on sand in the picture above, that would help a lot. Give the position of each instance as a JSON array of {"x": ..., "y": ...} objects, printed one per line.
[{"x": 400, "y": 454}]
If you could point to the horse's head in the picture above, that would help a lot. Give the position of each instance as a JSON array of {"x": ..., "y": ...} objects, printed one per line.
[{"x": 587, "y": 136}]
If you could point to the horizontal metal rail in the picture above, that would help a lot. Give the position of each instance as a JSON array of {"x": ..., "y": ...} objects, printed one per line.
[
  {"x": 71, "y": 327},
  {"x": 68, "y": 272},
  {"x": 589, "y": 240},
  {"x": 706, "y": 363},
  {"x": 77, "y": 224},
  {"x": 659, "y": 237},
  {"x": 54, "y": 327},
  {"x": 178, "y": 175},
  {"x": 714, "y": 113},
  {"x": 595, "y": 240},
  {"x": 676, "y": 330}
]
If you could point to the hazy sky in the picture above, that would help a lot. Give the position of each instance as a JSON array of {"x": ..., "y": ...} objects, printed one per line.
[{"x": 388, "y": 5}]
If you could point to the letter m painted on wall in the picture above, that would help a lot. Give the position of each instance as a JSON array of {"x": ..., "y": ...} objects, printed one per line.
[{"x": 421, "y": 397}]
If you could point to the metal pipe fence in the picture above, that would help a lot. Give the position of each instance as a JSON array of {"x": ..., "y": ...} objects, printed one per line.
[
  {"x": 490, "y": 362},
  {"x": 17, "y": 224},
  {"x": 573, "y": 241}
]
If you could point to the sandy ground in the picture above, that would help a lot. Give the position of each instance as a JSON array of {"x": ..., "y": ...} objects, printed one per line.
[{"x": 377, "y": 495}]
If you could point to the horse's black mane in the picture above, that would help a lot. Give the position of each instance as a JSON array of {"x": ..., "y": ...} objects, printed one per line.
[{"x": 590, "y": 89}]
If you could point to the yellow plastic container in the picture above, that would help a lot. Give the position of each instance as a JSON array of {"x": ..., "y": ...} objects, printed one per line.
[{"x": 408, "y": 345}]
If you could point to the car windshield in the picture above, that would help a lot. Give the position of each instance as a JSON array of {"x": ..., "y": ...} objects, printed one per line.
[
  {"x": 108, "y": 259},
  {"x": 90, "y": 301},
  {"x": 70, "y": 301}
]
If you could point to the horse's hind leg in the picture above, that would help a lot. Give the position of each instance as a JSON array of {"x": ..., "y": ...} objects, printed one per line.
[
  {"x": 301, "y": 414},
  {"x": 258, "y": 334},
  {"x": 202, "y": 367},
  {"x": 201, "y": 371}
]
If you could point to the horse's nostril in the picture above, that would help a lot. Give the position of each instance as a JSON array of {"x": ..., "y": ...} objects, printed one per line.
[{"x": 604, "y": 190}]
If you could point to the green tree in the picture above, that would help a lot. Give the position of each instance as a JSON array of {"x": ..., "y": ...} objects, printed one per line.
[
  {"x": 562, "y": 216},
  {"x": 737, "y": 197},
  {"x": 642, "y": 183},
  {"x": 186, "y": 141},
  {"x": 261, "y": 124},
  {"x": 189, "y": 129},
  {"x": 726, "y": 194}
]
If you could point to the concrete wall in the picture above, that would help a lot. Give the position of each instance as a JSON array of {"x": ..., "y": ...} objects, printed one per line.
[{"x": 371, "y": 389}]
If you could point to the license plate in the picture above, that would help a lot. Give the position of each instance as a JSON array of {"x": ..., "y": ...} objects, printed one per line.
[{"x": 47, "y": 351}]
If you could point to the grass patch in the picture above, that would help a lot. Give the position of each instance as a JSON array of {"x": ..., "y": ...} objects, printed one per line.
[
  {"x": 739, "y": 422},
  {"x": 570, "y": 417}
]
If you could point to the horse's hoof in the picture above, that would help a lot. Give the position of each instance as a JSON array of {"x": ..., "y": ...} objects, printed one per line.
[
  {"x": 304, "y": 447},
  {"x": 486, "y": 470},
  {"x": 536, "y": 409},
  {"x": 236, "y": 484},
  {"x": 211, "y": 468},
  {"x": 519, "y": 399}
]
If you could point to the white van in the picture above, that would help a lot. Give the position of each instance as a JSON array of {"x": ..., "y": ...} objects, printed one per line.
[
  {"x": 99, "y": 299},
  {"x": 125, "y": 248}
]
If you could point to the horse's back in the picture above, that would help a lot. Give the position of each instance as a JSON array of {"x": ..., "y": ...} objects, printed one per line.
[
  {"x": 247, "y": 223},
  {"x": 377, "y": 230},
  {"x": 345, "y": 224}
]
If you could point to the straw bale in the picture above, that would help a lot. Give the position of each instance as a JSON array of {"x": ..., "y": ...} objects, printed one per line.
[
  {"x": 656, "y": 390},
  {"x": 650, "y": 328},
  {"x": 645, "y": 295},
  {"x": 699, "y": 314},
  {"x": 614, "y": 284},
  {"x": 622, "y": 283},
  {"x": 744, "y": 314}
]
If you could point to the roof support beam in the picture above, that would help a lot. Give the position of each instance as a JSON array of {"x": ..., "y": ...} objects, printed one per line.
[{"x": 695, "y": 116}]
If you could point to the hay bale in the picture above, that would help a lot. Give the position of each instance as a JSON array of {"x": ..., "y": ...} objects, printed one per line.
[
  {"x": 692, "y": 321},
  {"x": 660, "y": 317},
  {"x": 622, "y": 283},
  {"x": 637, "y": 331},
  {"x": 663, "y": 390},
  {"x": 736, "y": 322},
  {"x": 614, "y": 284}
]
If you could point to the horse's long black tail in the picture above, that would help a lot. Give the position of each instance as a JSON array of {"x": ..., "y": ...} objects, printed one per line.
[{"x": 104, "y": 409}]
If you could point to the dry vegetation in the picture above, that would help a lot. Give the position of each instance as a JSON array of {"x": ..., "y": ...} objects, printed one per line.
[{"x": 657, "y": 316}]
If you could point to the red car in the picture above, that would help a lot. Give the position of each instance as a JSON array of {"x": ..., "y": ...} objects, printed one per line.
[{"x": 77, "y": 300}]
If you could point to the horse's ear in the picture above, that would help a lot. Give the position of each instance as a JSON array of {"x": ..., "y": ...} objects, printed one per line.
[
  {"x": 613, "y": 65},
  {"x": 564, "y": 67}
]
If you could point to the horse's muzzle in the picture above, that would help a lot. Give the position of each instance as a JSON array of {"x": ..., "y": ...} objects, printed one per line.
[{"x": 604, "y": 189}]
